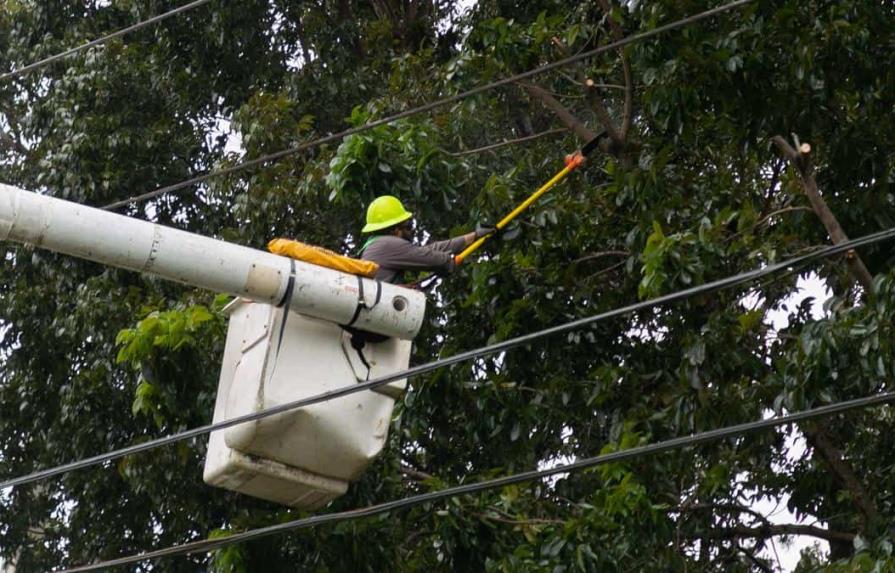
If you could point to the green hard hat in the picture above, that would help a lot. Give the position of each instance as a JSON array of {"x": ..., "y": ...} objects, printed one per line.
[{"x": 384, "y": 212}]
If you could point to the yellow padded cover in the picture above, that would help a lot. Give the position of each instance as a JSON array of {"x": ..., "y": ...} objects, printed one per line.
[{"x": 322, "y": 257}]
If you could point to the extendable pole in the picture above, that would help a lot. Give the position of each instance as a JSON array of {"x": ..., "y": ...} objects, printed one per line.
[{"x": 572, "y": 162}]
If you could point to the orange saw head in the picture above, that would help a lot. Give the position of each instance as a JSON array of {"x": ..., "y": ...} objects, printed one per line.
[{"x": 575, "y": 160}]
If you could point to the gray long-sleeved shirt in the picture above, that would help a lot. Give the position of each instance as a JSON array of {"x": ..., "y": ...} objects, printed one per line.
[{"x": 395, "y": 255}]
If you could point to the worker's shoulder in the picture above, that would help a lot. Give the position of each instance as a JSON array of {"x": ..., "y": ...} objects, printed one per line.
[{"x": 387, "y": 242}]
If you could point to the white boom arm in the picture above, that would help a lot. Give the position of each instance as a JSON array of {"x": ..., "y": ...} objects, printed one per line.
[{"x": 129, "y": 243}]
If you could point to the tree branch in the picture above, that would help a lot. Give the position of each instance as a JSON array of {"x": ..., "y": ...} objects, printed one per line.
[
  {"x": 602, "y": 113},
  {"x": 755, "y": 560},
  {"x": 767, "y": 218},
  {"x": 10, "y": 143},
  {"x": 595, "y": 84},
  {"x": 816, "y": 435},
  {"x": 416, "y": 475},
  {"x": 302, "y": 42},
  {"x": 629, "y": 95},
  {"x": 617, "y": 140},
  {"x": 601, "y": 254},
  {"x": 564, "y": 115},
  {"x": 726, "y": 507},
  {"x": 776, "y": 169},
  {"x": 494, "y": 146},
  {"x": 602, "y": 272},
  {"x": 511, "y": 521},
  {"x": 608, "y": 86},
  {"x": 779, "y": 212},
  {"x": 823, "y": 444},
  {"x": 766, "y": 529},
  {"x": 770, "y": 530},
  {"x": 802, "y": 162}
]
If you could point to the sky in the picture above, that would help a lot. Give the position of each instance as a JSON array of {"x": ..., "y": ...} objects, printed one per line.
[{"x": 788, "y": 555}]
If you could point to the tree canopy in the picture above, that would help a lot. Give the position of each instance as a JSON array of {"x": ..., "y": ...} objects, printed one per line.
[{"x": 687, "y": 187}]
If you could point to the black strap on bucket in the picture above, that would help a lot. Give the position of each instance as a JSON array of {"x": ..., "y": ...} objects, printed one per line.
[
  {"x": 287, "y": 296},
  {"x": 362, "y": 301},
  {"x": 359, "y": 338}
]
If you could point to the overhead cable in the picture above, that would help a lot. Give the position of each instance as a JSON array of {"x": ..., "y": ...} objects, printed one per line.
[
  {"x": 734, "y": 280},
  {"x": 205, "y": 545},
  {"x": 103, "y": 40},
  {"x": 430, "y": 106}
]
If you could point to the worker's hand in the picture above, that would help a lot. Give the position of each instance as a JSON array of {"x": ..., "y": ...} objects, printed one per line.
[{"x": 481, "y": 231}]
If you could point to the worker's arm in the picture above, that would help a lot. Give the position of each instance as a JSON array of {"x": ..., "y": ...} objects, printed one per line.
[
  {"x": 455, "y": 245},
  {"x": 398, "y": 254}
]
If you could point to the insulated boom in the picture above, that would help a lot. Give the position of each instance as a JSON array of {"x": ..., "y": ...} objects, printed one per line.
[{"x": 188, "y": 258}]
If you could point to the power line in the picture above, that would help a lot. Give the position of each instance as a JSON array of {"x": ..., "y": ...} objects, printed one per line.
[
  {"x": 430, "y": 106},
  {"x": 457, "y": 358},
  {"x": 103, "y": 40},
  {"x": 620, "y": 456}
]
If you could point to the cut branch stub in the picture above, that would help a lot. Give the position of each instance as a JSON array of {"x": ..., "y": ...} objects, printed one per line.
[
  {"x": 602, "y": 113},
  {"x": 801, "y": 160}
]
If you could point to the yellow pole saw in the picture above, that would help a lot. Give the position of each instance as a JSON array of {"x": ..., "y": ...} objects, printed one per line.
[{"x": 572, "y": 161}]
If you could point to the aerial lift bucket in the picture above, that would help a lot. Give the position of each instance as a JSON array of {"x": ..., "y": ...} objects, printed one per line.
[
  {"x": 284, "y": 342},
  {"x": 306, "y": 457}
]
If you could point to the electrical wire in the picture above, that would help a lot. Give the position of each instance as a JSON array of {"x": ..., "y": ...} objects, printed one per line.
[
  {"x": 407, "y": 502},
  {"x": 430, "y": 106},
  {"x": 734, "y": 280},
  {"x": 49, "y": 60}
]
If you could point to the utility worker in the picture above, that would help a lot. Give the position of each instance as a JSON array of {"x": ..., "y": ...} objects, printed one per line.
[{"x": 391, "y": 248}]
